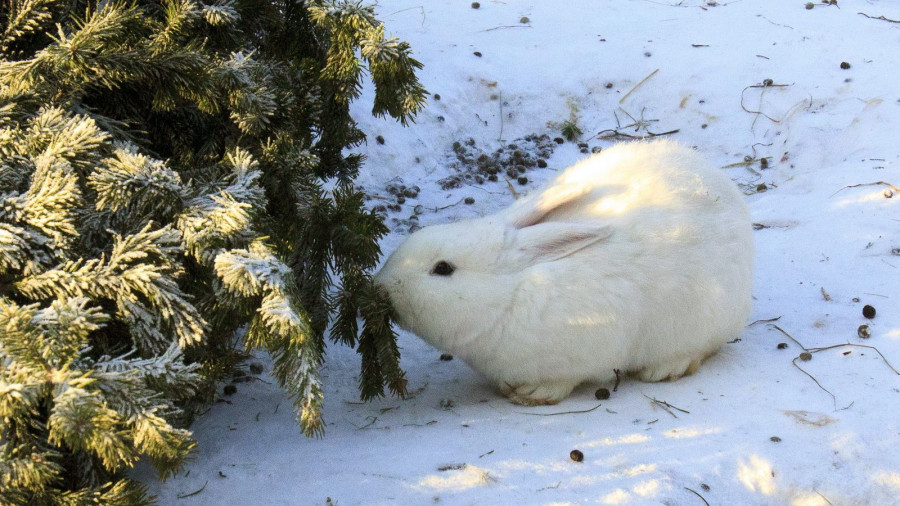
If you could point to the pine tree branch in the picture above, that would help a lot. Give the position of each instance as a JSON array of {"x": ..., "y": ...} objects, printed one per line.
[{"x": 164, "y": 166}]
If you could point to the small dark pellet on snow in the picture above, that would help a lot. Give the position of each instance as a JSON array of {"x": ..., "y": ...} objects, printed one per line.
[{"x": 863, "y": 332}]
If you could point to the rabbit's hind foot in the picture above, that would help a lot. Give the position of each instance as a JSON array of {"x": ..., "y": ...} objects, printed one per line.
[
  {"x": 669, "y": 371},
  {"x": 536, "y": 395}
]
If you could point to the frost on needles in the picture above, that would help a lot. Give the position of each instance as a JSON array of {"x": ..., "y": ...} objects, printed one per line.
[{"x": 163, "y": 170}]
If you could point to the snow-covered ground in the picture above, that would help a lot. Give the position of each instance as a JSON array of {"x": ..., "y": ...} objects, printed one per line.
[{"x": 752, "y": 427}]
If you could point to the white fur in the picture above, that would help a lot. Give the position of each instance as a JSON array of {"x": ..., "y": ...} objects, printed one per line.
[{"x": 638, "y": 259}]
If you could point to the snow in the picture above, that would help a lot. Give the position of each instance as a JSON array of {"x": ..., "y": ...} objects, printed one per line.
[{"x": 456, "y": 441}]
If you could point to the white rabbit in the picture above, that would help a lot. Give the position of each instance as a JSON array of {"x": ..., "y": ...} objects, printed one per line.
[{"x": 637, "y": 259}]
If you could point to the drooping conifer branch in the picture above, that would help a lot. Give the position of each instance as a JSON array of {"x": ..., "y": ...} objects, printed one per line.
[{"x": 172, "y": 172}]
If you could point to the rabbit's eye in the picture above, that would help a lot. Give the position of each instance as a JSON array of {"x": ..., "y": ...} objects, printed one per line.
[{"x": 442, "y": 268}]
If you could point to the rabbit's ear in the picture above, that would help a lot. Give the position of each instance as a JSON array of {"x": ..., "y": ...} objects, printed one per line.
[
  {"x": 546, "y": 242},
  {"x": 536, "y": 210}
]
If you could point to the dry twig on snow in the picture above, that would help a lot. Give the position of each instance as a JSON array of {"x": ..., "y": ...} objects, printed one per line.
[
  {"x": 885, "y": 183},
  {"x": 881, "y": 18}
]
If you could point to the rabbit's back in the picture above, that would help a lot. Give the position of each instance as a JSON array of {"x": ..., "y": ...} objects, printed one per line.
[{"x": 657, "y": 181}]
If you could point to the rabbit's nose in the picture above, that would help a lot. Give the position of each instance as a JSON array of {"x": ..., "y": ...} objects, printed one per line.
[
  {"x": 385, "y": 295},
  {"x": 386, "y": 287},
  {"x": 387, "y": 282},
  {"x": 378, "y": 278}
]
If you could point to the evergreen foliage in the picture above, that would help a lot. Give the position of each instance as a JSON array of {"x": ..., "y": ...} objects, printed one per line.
[{"x": 171, "y": 171}]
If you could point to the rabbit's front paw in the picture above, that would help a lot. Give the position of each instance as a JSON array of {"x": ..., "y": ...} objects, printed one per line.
[
  {"x": 670, "y": 371},
  {"x": 536, "y": 395}
]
